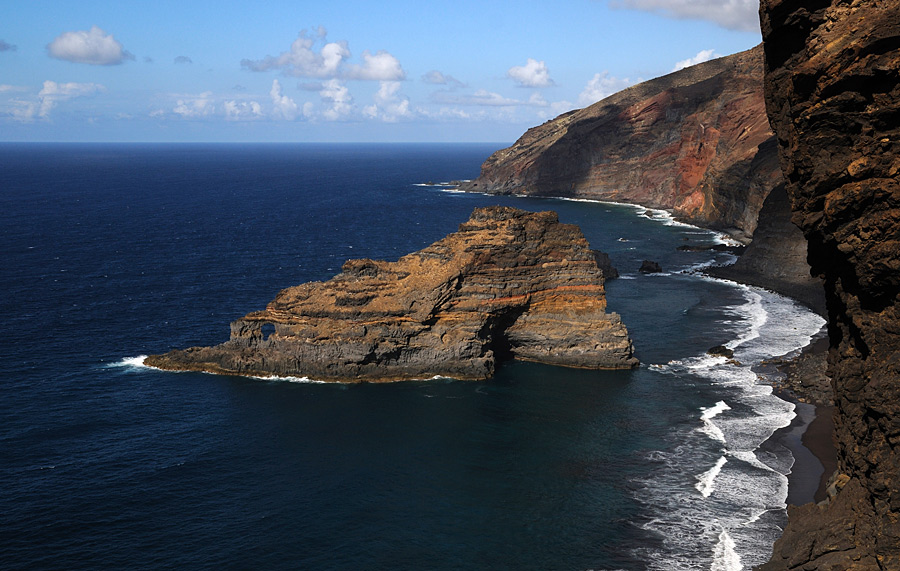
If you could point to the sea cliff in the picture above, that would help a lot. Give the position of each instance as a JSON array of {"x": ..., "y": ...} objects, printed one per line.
[
  {"x": 508, "y": 284},
  {"x": 695, "y": 142},
  {"x": 833, "y": 98}
]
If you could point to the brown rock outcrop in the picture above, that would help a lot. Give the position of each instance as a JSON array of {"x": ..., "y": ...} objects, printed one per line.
[
  {"x": 833, "y": 97},
  {"x": 689, "y": 142},
  {"x": 509, "y": 283}
]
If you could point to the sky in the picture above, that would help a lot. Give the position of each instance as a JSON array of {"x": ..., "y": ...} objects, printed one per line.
[{"x": 351, "y": 71}]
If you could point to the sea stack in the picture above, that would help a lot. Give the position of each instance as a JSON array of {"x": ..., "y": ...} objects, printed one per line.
[{"x": 508, "y": 284}]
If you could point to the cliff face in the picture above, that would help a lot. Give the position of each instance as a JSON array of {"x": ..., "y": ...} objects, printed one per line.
[
  {"x": 687, "y": 142},
  {"x": 509, "y": 283},
  {"x": 776, "y": 258},
  {"x": 833, "y": 97}
]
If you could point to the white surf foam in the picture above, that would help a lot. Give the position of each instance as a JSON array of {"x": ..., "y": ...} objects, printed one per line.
[
  {"x": 288, "y": 379},
  {"x": 706, "y": 481},
  {"x": 709, "y": 427},
  {"x": 131, "y": 363},
  {"x": 741, "y": 504},
  {"x": 725, "y": 558}
]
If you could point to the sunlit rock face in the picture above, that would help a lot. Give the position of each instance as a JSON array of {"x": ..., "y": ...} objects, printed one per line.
[
  {"x": 693, "y": 141},
  {"x": 508, "y": 284}
]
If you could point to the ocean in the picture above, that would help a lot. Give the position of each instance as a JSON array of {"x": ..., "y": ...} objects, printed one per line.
[{"x": 112, "y": 252}]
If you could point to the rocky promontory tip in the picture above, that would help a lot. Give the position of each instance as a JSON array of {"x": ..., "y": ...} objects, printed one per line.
[{"x": 508, "y": 284}]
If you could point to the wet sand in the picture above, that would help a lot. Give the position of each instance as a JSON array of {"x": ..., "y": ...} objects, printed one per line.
[
  {"x": 809, "y": 437},
  {"x": 809, "y": 440}
]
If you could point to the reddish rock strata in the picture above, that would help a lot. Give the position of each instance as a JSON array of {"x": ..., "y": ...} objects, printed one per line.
[
  {"x": 833, "y": 97},
  {"x": 509, "y": 283},
  {"x": 689, "y": 142}
]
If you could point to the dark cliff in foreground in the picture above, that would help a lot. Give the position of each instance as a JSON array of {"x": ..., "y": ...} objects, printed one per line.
[
  {"x": 833, "y": 97},
  {"x": 509, "y": 283},
  {"x": 693, "y": 142}
]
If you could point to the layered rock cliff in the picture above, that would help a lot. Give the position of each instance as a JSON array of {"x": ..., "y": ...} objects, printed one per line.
[
  {"x": 509, "y": 283},
  {"x": 833, "y": 97},
  {"x": 689, "y": 142}
]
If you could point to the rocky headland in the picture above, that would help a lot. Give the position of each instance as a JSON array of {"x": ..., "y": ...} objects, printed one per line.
[
  {"x": 695, "y": 142},
  {"x": 508, "y": 284},
  {"x": 833, "y": 98}
]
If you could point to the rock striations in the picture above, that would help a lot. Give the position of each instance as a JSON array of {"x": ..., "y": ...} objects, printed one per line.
[
  {"x": 833, "y": 97},
  {"x": 696, "y": 142},
  {"x": 508, "y": 284}
]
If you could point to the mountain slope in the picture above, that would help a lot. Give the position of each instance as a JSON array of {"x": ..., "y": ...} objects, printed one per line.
[{"x": 696, "y": 141}]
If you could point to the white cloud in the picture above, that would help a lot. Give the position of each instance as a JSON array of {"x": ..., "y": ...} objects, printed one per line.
[
  {"x": 389, "y": 105},
  {"x": 338, "y": 97},
  {"x": 183, "y": 59},
  {"x": 702, "y": 56},
  {"x": 600, "y": 87},
  {"x": 533, "y": 74},
  {"x": 195, "y": 106},
  {"x": 306, "y": 58},
  {"x": 94, "y": 47},
  {"x": 52, "y": 93},
  {"x": 242, "y": 110},
  {"x": 435, "y": 77},
  {"x": 285, "y": 107},
  {"x": 484, "y": 98},
  {"x": 302, "y": 60},
  {"x": 740, "y": 15},
  {"x": 380, "y": 66}
]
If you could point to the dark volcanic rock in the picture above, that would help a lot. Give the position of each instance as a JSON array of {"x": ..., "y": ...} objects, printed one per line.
[
  {"x": 721, "y": 351},
  {"x": 650, "y": 267},
  {"x": 605, "y": 265},
  {"x": 509, "y": 283},
  {"x": 776, "y": 258},
  {"x": 696, "y": 142},
  {"x": 833, "y": 96}
]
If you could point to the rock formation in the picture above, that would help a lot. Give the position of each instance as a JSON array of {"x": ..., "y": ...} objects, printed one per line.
[
  {"x": 696, "y": 142},
  {"x": 509, "y": 283},
  {"x": 833, "y": 97},
  {"x": 776, "y": 258}
]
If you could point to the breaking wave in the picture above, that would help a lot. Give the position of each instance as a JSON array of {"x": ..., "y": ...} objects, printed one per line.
[{"x": 715, "y": 486}]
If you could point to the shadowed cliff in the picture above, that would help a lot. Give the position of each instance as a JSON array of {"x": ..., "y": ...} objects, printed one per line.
[{"x": 833, "y": 97}]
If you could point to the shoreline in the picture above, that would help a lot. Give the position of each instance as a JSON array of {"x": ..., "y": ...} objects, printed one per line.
[{"x": 800, "y": 380}]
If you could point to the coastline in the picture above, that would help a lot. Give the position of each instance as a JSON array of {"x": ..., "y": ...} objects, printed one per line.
[{"x": 800, "y": 379}]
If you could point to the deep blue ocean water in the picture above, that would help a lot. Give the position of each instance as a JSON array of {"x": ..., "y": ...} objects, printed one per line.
[{"x": 110, "y": 252}]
